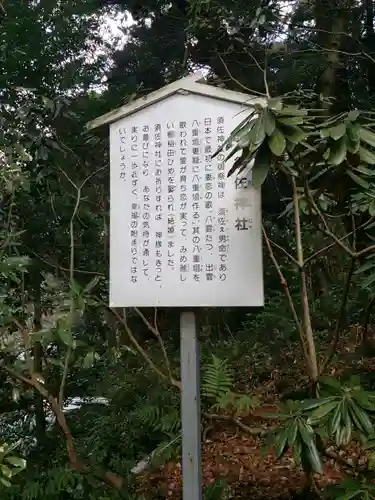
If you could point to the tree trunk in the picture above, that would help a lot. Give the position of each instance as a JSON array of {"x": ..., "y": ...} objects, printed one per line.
[
  {"x": 332, "y": 22},
  {"x": 40, "y": 420}
]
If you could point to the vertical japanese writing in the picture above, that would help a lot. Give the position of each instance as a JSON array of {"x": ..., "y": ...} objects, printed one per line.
[
  {"x": 195, "y": 201},
  {"x": 135, "y": 213},
  {"x": 208, "y": 199},
  {"x": 158, "y": 201},
  {"x": 146, "y": 200},
  {"x": 223, "y": 237},
  {"x": 123, "y": 142},
  {"x": 171, "y": 161},
  {"x": 183, "y": 202}
]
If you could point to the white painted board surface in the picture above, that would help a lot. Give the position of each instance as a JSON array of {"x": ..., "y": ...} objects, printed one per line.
[{"x": 181, "y": 233}]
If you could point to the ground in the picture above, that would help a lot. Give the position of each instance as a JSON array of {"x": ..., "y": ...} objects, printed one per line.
[{"x": 229, "y": 452}]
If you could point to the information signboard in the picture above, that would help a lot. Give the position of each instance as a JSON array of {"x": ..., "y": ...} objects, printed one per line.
[{"x": 182, "y": 234}]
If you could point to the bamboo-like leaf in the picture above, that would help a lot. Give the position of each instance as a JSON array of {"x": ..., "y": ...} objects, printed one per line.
[
  {"x": 332, "y": 383},
  {"x": 322, "y": 411},
  {"x": 315, "y": 403},
  {"x": 258, "y": 132},
  {"x": 261, "y": 166},
  {"x": 291, "y": 120},
  {"x": 314, "y": 458},
  {"x": 291, "y": 110},
  {"x": 306, "y": 435},
  {"x": 367, "y": 136},
  {"x": 280, "y": 443},
  {"x": 357, "y": 423},
  {"x": 269, "y": 122},
  {"x": 245, "y": 126},
  {"x": 292, "y": 433},
  {"x": 366, "y": 156},
  {"x": 369, "y": 281},
  {"x": 277, "y": 143},
  {"x": 366, "y": 266},
  {"x": 362, "y": 418},
  {"x": 358, "y": 180},
  {"x": 350, "y": 494},
  {"x": 335, "y": 420}
]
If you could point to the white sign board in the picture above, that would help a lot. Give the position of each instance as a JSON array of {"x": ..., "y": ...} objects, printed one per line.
[{"x": 181, "y": 233}]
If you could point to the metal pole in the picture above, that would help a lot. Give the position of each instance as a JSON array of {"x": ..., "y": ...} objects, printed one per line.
[{"x": 190, "y": 408}]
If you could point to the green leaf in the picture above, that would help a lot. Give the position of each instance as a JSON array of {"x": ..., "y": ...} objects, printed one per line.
[
  {"x": 366, "y": 266},
  {"x": 358, "y": 180},
  {"x": 306, "y": 435},
  {"x": 350, "y": 494},
  {"x": 292, "y": 432},
  {"x": 269, "y": 122},
  {"x": 338, "y": 152},
  {"x": 92, "y": 284},
  {"x": 369, "y": 281},
  {"x": 291, "y": 120},
  {"x": 362, "y": 418},
  {"x": 337, "y": 131},
  {"x": 366, "y": 156},
  {"x": 89, "y": 360},
  {"x": 293, "y": 110},
  {"x": 322, "y": 411},
  {"x": 281, "y": 442},
  {"x": 261, "y": 166},
  {"x": 16, "y": 462},
  {"x": 352, "y": 131},
  {"x": 314, "y": 458},
  {"x": 65, "y": 335},
  {"x": 331, "y": 382},
  {"x": 353, "y": 115},
  {"x": 315, "y": 403},
  {"x": 367, "y": 136},
  {"x": 258, "y": 132},
  {"x": 275, "y": 103},
  {"x": 277, "y": 143},
  {"x": 6, "y": 471},
  {"x": 294, "y": 134}
]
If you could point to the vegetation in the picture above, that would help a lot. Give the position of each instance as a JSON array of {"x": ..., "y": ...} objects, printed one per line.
[{"x": 89, "y": 395}]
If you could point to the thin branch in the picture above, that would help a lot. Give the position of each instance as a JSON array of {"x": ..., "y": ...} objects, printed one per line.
[
  {"x": 112, "y": 479},
  {"x": 237, "y": 81},
  {"x": 253, "y": 431},
  {"x": 284, "y": 284},
  {"x": 156, "y": 332},
  {"x": 331, "y": 245},
  {"x": 326, "y": 230},
  {"x": 340, "y": 317},
  {"x": 69, "y": 350},
  {"x": 124, "y": 322},
  {"x": 303, "y": 287},
  {"x": 295, "y": 261}
]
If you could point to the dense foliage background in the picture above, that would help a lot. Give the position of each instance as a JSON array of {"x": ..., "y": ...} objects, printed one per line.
[{"x": 80, "y": 402}]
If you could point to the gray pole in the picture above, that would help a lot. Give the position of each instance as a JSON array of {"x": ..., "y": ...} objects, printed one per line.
[{"x": 190, "y": 408}]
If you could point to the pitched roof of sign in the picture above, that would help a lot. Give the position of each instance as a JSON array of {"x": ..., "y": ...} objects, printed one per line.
[{"x": 193, "y": 84}]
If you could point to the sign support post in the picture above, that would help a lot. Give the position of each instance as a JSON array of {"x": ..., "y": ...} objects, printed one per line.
[
  {"x": 190, "y": 408},
  {"x": 182, "y": 234}
]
